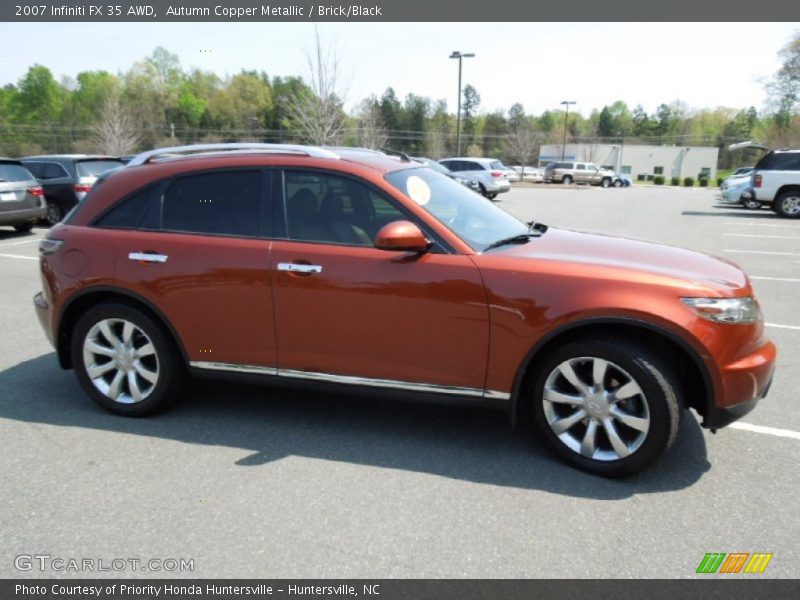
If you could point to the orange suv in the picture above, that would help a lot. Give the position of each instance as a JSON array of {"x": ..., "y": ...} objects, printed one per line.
[{"x": 364, "y": 270}]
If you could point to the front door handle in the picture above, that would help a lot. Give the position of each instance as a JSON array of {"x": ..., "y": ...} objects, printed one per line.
[
  {"x": 299, "y": 268},
  {"x": 150, "y": 257}
]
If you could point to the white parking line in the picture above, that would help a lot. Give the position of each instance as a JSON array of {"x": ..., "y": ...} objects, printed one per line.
[
  {"x": 749, "y": 224},
  {"x": 18, "y": 243},
  {"x": 762, "y": 252},
  {"x": 795, "y": 327},
  {"x": 795, "y": 435},
  {"x": 19, "y": 256},
  {"x": 772, "y": 237},
  {"x": 774, "y": 278}
]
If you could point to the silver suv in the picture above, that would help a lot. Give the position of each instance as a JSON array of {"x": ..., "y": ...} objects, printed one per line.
[
  {"x": 488, "y": 173},
  {"x": 578, "y": 172},
  {"x": 21, "y": 197}
]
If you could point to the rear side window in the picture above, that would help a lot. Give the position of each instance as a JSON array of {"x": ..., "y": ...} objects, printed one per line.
[
  {"x": 14, "y": 172},
  {"x": 139, "y": 211},
  {"x": 93, "y": 168},
  {"x": 788, "y": 161},
  {"x": 221, "y": 203},
  {"x": 580, "y": 167},
  {"x": 473, "y": 166},
  {"x": 46, "y": 170}
]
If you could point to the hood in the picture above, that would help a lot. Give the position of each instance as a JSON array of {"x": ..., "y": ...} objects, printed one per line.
[{"x": 563, "y": 245}]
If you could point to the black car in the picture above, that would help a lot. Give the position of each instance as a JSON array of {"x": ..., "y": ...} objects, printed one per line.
[
  {"x": 440, "y": 168},
  {"x": 67, "y": 178}
]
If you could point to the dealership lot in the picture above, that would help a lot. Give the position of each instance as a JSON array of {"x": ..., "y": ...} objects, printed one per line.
[{"x": 261, "y": 482}]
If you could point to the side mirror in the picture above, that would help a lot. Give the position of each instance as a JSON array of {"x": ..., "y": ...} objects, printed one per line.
[{"x": 402, "y": 236}]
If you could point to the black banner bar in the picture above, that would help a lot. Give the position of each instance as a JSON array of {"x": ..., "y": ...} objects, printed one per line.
[
  {"x": 713, "y": 587},
  {"x": 397, "y": 10}
]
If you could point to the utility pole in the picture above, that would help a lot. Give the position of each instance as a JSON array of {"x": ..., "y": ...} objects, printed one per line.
[
  {"x": 459, "y": 56},
  {"x": 565, "y": 103}
]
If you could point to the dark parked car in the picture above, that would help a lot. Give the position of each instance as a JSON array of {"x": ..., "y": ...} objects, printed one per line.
[
  {"x": 440, "y": 168},
  {"x": 67, "y": 178},
  {"x": 21, "y": 196}
]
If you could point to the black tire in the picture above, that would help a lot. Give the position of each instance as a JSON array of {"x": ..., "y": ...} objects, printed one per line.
[
  {"x": 617, "y": 183},
  {"x": 787, "y": 204},
  {"x": 658, "y": 402},
  {"x": 55, "y": 213},
  {"x": 566, "y": 179},
  {"x": 751, "y": 204},
  {"x": 169, "y": 365},
  {"x": 484, "y": 193},
  {"x": 606, "y": 182},
  {"x": 24, "y": 227},
  {"x": 492, "y": 196}
]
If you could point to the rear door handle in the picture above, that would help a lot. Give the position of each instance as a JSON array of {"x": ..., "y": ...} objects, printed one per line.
[
  {"x": 299, "y": 268},
  {"x": 150, "y": 257}
]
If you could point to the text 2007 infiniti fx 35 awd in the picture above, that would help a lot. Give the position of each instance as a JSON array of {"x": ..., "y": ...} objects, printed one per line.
[{"x": 356, "y": 268}]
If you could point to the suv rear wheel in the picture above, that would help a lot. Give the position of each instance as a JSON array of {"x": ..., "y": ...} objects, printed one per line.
[
  {"x": 609, "y": 407},
  {"x": 124, "y": 361},
  {"x": 566, "y": 179},
  {"x": 787, "y": 204}
]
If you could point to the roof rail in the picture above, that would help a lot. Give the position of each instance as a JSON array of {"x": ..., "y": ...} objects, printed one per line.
[{"x": 311, "y": 151}]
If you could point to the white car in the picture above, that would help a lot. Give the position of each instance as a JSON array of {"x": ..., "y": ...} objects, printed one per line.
[
  {"x": 734, "y": 187},
  {"x": 531, "y": 174}
]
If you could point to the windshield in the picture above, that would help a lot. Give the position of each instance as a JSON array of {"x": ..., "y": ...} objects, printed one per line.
[
  {"x": 93, "y": 168},
  {"x": 470, "y": 216}
]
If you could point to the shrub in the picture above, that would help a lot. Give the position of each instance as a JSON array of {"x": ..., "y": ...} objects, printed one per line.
[
  {"x": 658, "y": 180},
  {"x": 688, "y": 182},
  {"x": 719, "y": 181},
  {"x": 676, "y": 181},
  {"x": 704, "y": 182}
]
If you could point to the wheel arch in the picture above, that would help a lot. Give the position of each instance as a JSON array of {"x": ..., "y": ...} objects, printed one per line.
[
  {"x": 86, "y": 299},
  {"x": 791, "y": 187},
  {"x": 692, "y": 371}
]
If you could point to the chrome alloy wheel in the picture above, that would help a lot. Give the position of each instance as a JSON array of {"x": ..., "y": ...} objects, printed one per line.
[
  {"x": 791, "y": 205},
  {"x": 596, "y": 408},
  {"x": 120, "y": 360}
]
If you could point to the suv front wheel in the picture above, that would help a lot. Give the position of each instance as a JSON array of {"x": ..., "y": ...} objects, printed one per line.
[
  {"x": 609, "y": 407},
  {"x": 124, "y": 361},
  {"x": 566, "y": 180},
  {"x": 787, "y": 204}
]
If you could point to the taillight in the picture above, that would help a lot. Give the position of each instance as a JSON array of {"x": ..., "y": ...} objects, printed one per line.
[
  {"x": 81, "y": 187},
  {"x": 48, "y": 246},
  {"x": 757, "y": 181},
  {"x": 497, "y": 174},
  {"x": 36, "y": 191}
]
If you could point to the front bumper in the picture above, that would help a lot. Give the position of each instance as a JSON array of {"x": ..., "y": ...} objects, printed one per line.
[{"x": 744, "y": 383}]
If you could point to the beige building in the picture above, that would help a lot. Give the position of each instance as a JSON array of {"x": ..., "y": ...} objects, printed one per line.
[{"x": 639, "y": 161}]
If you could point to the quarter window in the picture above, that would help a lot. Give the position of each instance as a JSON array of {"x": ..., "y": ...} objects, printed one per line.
[
  {"x": 139, "y": 211},
  {"x": 221, "y": 203}
]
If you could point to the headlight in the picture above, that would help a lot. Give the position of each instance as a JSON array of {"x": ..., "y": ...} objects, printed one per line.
[{"x": 725, "y": 310}]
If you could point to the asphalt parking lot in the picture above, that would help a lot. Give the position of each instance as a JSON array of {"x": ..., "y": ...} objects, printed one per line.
[{"x": 261, "y": 482}]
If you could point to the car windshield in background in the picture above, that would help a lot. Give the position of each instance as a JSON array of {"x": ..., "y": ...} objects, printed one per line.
[
  {"x": 471, "y": 217},
  {"x": 93, "y": 168},
  {"x": 14, "y": 172}
]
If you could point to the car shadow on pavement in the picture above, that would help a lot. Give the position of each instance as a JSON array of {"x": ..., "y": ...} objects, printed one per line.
[{"x": 271, "y": 423}]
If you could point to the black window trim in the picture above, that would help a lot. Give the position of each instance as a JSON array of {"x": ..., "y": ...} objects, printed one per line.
[{"x": 440, "y": 246}]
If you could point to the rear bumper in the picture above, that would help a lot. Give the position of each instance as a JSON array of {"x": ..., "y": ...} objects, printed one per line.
[
  {"x": 13, "y": 217},
  {"x": 744, "y": 383}
]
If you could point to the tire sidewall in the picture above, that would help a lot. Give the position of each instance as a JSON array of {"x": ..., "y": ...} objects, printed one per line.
[
  {"x": 170, "y": 371},
  {"x": 660, "y": 395},
  {"x": 779, "y": 205}
]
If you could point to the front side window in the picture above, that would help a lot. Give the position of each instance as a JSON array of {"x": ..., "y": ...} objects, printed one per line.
[
  {"x": 219, "y": 203},
  {"x": 477, "y": 221},
  {"x": 322, "y": 207},
  {"x": 580, "y": 167}
]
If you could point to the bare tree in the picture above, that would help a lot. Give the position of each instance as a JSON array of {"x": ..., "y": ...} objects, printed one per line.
[
  {"x": 317, "y": 110},
  {"x": 371, "y": 130},
  {"x": 116, "y": 132},
  {"x": 522, "y": 144},
  {"x": 436, "y": 143}
]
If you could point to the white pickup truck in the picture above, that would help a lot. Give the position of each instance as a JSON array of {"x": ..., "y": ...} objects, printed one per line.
[{"x": 776, "y": 182}]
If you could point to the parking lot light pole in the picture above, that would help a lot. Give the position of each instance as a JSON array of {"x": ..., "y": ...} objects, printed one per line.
[
  {"x": 565, "y": 103},
  {"x": 459, "y": 56}
]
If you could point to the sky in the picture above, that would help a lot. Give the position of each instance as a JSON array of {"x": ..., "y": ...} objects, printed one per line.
[{"x": 705, "y": 65}]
